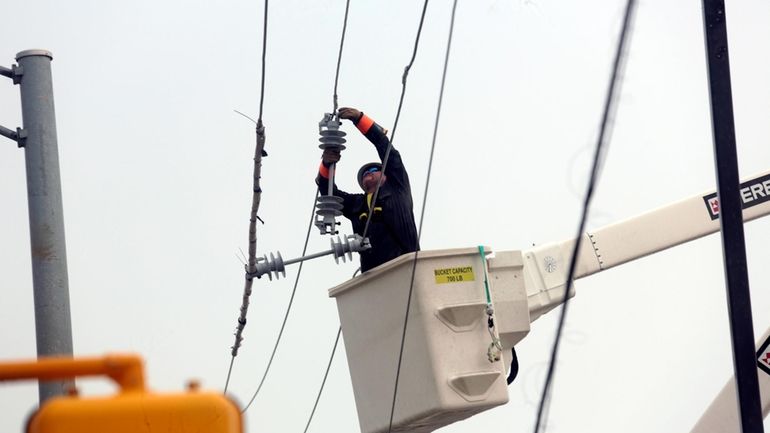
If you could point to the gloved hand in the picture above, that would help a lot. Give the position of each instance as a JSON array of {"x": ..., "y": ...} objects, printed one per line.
[
  {"x": 350, "y": 114},
  {"x": 330, "y": 156}
]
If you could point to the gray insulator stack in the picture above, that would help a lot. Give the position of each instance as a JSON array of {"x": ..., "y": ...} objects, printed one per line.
[
  {"x": 270, "y": 265},
  {"x": 329, "y": 206},
  {"x": 341, "y": 246},
  {"x": 347, "y": 245}
]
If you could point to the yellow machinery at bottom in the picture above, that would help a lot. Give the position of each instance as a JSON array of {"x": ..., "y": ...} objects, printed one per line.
[{"x": 133, "y": 409}]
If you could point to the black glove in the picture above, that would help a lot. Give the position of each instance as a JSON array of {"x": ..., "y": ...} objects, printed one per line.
[
  {"x": 351, "y": 114},
  {"x": 330, "y": 156}
]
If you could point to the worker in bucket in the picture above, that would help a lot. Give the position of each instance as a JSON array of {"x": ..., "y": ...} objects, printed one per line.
[{"x": 392, "y": 231}]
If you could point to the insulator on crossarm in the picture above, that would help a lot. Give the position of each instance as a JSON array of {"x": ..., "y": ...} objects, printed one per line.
[
  {"x": 347, "y": 245},
  {"x": 270, "y": 265}
]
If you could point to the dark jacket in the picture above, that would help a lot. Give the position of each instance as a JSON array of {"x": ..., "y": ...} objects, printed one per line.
[{"x": 392, "y": 231}]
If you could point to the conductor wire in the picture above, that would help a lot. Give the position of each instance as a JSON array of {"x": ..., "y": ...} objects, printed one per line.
[
  {"x": 288, "y": 308},
  {"x": 422, "y": 211},
  {"x": 328, "y": 367},
  {"x": 398, "y": 115},
  {"x": 609, "y": 109},
  {"x": 339, "y": 56},
  {"x": 255, "y": 201},
  {"x": 264, "y": 51}
]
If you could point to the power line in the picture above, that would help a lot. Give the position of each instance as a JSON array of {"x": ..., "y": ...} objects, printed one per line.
[
  {"x": 312, "y": 214},
  {"x": 339, "y": 330},
  {"x": 609, "y": 108},
  {"x": 229, "y": 372},
  {"x": 328, "y": 367},
  {"x": 288, "y": 308},
  {"x": 385, "y": 162},
  {"x": 422, "y": 211},
  {"x": 334, "y": 111},
  {"x": 339, "y": 56},
  {"x": 256, "y": 198},
  {"x": 264, "y": 51},
  {"x": 323, "y": 383},
  {"x": 232, "y": 356},
  {"x": 251, "y": 266},
  {"x": 398, "y": 115}
]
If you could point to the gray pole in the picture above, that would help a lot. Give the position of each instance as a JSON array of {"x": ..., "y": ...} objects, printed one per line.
[{"x": 53, "y": 327}]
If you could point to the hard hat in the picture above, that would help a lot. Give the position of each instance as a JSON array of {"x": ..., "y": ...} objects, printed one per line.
[{"x": 366, "y": 167}]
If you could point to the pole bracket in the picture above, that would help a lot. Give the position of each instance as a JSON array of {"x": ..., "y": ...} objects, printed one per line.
[
  {"x": 19, "y": 136},
  {"x": 17, "y": 72},
  {"x": 14, "y": 73}
]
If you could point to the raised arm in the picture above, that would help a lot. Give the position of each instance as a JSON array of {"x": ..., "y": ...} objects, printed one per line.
[{"x": 394, "y": 170}]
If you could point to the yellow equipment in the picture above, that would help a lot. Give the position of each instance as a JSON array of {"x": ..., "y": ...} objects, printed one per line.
[{"x": 133, "y": 409}]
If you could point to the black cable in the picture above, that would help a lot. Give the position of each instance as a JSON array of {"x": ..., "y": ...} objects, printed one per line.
[
  {"x": 229, "y": 372},
  {"x": 259, "y": 152},
  {"x": 609, "y": 107},
  {"x": 514, "y": 371},
  {"x": 334, "y": 111},
  {"x": 264, "y": 50},
  {"x": 328, "y": 367},
  {"x": 398, "y": 115},
  {"x": 339, "y": 56},
  {"x": 288, "y": 308},
  {"x": 323, "y": 383},
  {"x": 310, "y": 224},
  {"x": 422, "y": 211}
]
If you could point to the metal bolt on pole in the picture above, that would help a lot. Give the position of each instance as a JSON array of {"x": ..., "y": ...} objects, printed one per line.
[{"x": 53, "y": 327}]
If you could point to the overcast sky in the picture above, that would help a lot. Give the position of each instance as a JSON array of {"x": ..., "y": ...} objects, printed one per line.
[{"x": 156, "y": 173}]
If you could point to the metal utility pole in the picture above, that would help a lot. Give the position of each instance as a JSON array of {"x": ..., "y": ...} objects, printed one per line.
[
  {"x": 730, "y": 208},
  {"x": 53, "y": 327}
]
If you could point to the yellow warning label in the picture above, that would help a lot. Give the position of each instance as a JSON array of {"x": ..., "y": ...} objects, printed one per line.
[{"x": 454, "y": 275}]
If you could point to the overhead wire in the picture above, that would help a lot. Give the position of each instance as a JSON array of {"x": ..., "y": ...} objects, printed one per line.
[
  {"x": 334, "y": 111},
  {"x": 374, "y": 198},
  {"x": 398, "y": 116},
  {"x": 229, "y": 372},
  {"x": 288, "y": 308},
  {"x": 256, "y": 198},
  {"x": 264, "y": 54},
  {"x": 323, "y": 382},
  {"x": 424, "y": 202},
  {"x": 387, "y": 153},
  {"x": 251, "y": 266},
  {"x": 604, "y": 133},
  {"x": 328, "y": 367},
  {"x": 339, "y": 56},
  {"x": 310, "y": 223}
]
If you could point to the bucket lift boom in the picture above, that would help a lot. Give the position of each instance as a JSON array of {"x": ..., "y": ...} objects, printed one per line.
[
  {"x": 634, "y": 238},
  {"x": 445, "y": 375},
  {"x": 722, "y": 414}
]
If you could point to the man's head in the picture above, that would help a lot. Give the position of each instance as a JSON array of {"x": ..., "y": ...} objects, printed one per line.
[{"x": 369, "y": 175}]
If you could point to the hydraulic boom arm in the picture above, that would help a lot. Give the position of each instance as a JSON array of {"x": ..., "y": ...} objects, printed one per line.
[
  {"x": 464, "y": 303},
  {"x": 722, "y": 414},
  {"x": 546, "y": 266}
]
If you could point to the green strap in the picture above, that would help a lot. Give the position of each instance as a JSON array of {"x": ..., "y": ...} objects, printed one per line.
[{"x": 484, "y": 265}]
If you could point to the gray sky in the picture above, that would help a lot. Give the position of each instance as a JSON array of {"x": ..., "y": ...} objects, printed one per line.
[{"x": 156, "y": 172}]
